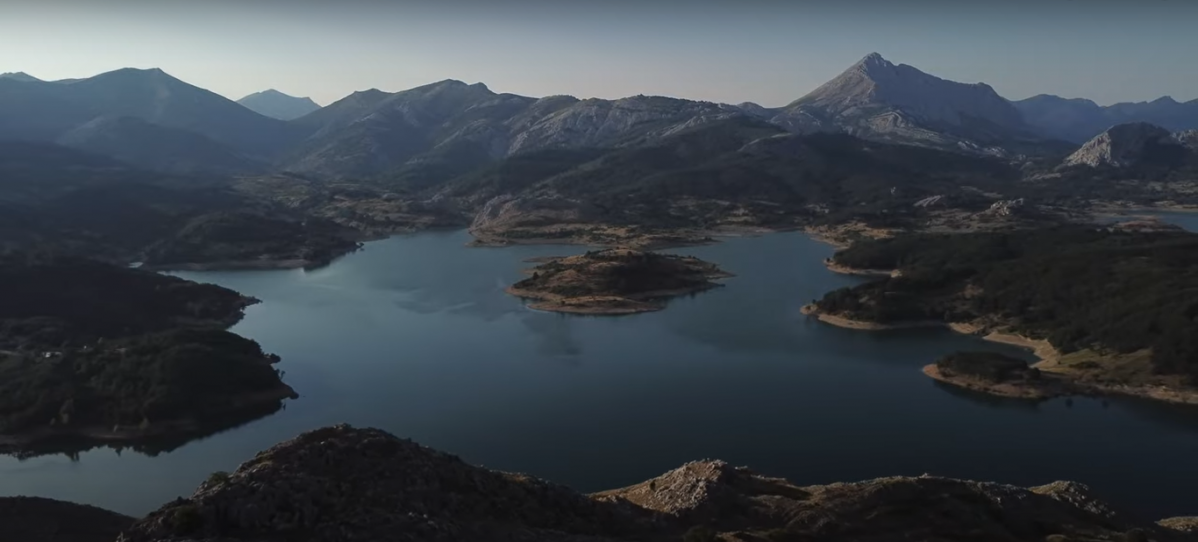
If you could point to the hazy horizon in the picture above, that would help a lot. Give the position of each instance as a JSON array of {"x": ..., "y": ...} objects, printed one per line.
[{"x": 765, "y": 52}]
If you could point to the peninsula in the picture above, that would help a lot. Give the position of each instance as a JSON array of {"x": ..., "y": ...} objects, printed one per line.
[
  {"x": 92, "y": 353},
  {"x": 1106, "y": 309},
  {"x": 614, "y": 281}
]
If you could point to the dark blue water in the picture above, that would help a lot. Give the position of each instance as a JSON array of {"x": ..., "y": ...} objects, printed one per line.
[{"x": 415, "y": 335}]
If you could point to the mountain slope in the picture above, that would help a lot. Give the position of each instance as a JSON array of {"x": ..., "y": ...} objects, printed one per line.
[
  {"x": 734, "y": 172},
  {"x": 1078, "y": 120},
  {"x": 43, "y": 111},
  {"x": 59, "y": 200},
  {"x": 156, "y": 97},
  {"x": 431, "y": 133},
  {"x": 158, "y": 148},
  {"x": 275, "y": 104},
  {"x": 37, "y": 111},
  {"x": 876, "y": 99}
]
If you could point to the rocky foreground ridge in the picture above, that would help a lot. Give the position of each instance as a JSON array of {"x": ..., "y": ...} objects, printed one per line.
[{"x": 347, "y": 484}]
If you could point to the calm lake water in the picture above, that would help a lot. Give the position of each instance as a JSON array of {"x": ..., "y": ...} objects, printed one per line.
[{"x": 414, "y": 335}]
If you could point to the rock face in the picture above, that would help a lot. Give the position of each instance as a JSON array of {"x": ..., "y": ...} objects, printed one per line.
[
  {"x": 1127, "y": 145},
  {"x": 347, "y": 484},
  {"x": 876, "y": 99},
  {"x": 275, "y": 104}
]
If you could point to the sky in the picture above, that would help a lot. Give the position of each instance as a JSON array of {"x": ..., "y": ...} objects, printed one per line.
[{"x": 769, "y": 52}]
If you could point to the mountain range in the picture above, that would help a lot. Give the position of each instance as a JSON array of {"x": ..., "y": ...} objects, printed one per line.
[
  {"x": 426, "y": 135},
  {"x": 275, "y": 104},
  {"x": 1077, "y": 120}
]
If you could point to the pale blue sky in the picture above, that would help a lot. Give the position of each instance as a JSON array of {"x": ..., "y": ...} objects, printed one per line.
[{"x": 770, "y": 52}]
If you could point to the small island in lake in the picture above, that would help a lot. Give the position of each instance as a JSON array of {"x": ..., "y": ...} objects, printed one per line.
[
  {"x": 614, "y": 281},
  {"x": 92, "y": 353}
]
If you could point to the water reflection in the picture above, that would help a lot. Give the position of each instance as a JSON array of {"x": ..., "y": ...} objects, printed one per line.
[
  {"x": 555, "y": 332},
  {"x": 150, "y": 446}
]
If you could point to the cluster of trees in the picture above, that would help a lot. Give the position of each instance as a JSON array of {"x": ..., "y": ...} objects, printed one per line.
[
  {"x": 989, "y": 366},
  {"x": 1077, "y": 287}
]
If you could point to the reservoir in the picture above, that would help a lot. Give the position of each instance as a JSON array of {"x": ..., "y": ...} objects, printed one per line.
[{"x": 414, "y": 335}]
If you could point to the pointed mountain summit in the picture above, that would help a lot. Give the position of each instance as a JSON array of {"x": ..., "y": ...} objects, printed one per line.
[
  {"x": 877, "y": 99},
  {"x": 275, "y": 104}
]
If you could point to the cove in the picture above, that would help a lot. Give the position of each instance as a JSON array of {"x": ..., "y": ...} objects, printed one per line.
[{"x": 415, "y": 335}]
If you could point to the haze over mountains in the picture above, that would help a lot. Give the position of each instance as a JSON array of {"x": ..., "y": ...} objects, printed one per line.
[
  {"x": 1079, "y": 119},
  {"x": 436, "y": 132}
]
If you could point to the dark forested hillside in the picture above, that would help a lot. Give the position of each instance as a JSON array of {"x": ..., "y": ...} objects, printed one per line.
[
  {"x": 1080, "y": 288},
  {"x": 62, "y": 200},
  {"x": 85, "y": 344}
]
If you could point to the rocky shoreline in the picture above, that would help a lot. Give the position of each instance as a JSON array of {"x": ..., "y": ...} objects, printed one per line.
[{"x": 1059, "y": 379}]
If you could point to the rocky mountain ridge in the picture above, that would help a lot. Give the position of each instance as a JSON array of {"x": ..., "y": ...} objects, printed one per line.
[
  {"x": 347, "y": 484},
  {"x": 428, "y": 134}
]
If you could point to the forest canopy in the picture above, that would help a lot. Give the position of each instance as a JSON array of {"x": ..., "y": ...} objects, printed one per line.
[{"x": 1078, "y": 287}]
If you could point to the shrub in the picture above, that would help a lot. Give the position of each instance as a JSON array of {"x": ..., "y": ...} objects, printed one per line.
[{"x": 218, "y": 477}]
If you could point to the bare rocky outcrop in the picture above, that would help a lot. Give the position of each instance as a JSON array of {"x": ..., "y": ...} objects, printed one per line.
[
  {"x": 346, "y": 484},
  {"x": 1126, "y": 145}
]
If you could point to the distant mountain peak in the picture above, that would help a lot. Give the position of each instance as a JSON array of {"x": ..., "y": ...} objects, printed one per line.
[
  {"x": 20, "y": 76},
  {"x": 873, "y": 61},
  {"x": 275, "y": 104},
  {"x": 876, "y": 98}
]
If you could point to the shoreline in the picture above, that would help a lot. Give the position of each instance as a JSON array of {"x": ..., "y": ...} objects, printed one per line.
[
  {"x": 1057, "y": 383},
  {"x": 28, "y": 441},
  {"x": 862, "y": 325},
  {"x": 689, "y": 238},
  {"x": 855, "y": 271}
]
